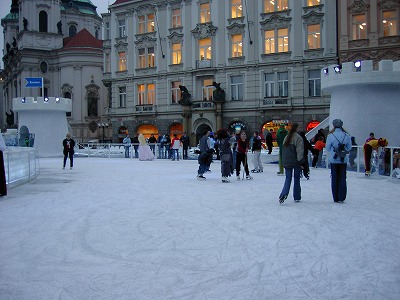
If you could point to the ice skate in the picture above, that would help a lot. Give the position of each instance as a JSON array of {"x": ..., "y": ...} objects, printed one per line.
[
  {"x": 248, "y": 177},
  {"x": 282, "y": 198},
  {"x": 238, "y": 177},
  {"x": 201, "y": 177},
  {"x": 225, "y": 179}
]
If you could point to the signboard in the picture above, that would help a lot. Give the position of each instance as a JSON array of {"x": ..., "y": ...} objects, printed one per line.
[{"x": 34, "y": 82}]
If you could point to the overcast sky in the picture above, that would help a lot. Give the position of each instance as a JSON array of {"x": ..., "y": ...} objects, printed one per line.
[{"x": 5, "y": 6}]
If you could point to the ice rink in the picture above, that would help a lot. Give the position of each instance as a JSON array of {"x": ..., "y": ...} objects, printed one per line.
[{"x": 126, "y": 229}]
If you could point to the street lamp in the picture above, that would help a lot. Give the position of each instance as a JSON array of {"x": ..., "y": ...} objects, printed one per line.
[{"x": 102, "y": 125}]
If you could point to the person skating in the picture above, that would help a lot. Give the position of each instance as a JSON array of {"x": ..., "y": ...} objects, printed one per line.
[
  {"x": 241, "y": 155},
  {"x": 307, "y": 147},
  {"x": 280, "y": 136},
  {"x": 256, "y": 150},
  {"x": 338, "y": 164},
  {"x": 68, "y": 150},
  {"x": 292, "y": 159},
  {"x": 204, "y": 161},
  {"x": 369, "y": 146},
  {"x": 225, "y": 154}
]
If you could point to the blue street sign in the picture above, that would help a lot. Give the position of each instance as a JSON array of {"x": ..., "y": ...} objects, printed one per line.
[{"x": 33, "y": 82}]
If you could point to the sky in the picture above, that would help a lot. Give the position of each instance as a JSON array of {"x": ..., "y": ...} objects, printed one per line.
[
  {"x": 5, "y": 5},
  {"x": 126, "y": 229}
]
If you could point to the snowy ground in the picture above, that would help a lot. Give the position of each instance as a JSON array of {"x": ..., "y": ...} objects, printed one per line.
[{"x": 125, "y": 229}]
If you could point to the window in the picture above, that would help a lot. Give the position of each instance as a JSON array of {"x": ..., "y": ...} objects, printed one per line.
[
  {"x": 276, "y": 40},
  {"x": 72, "y": 31},
  {"x": 205, "y": 48},
  {"x": 176, "y": 18},
  {"x": 121, "y": 61},
  {"x": 207, "y": 90},
  {"x": 146, "y": 94},
  {"x": 237, "y": 45},
  {"x": 389, "y": 23},
  {"x": 108, "y": 63},
  {"x": 122, "y": 96},
  {"x": 121, "y": 28},
  {"x": 43, "y": 21},
  {"x": 146, "y": 57},
  {"x": 314, "y": 83},
  {"x": 236, "y": 8},
  {"x": 175, "y": 91},
  {"x": 283, "y": 84},
  {"x": 277, "y": 5},
  {"x": 237, "y": 88},
  {"x": 92, "y": 105},
  {"x": 146, "y": 23},
  {"x": 314, "y": 36},
  {"x": 313, "y": 2},
  {"x": 107, "y": 30},
  {"x": 359, "y": 26},
  {"x": 269, "y": 86},
  {"x": 176, "y": 53},
  {"x": 205, "y": 13}
]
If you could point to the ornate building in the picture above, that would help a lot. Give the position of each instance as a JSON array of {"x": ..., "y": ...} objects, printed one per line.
[
  {"x": 369, "y": 30},
  {"x": 242, "y": 64},
  {"x": 59, "y": 41}
]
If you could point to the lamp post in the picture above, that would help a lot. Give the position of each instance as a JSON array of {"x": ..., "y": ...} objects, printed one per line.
[{"x": 102, "y": 125}]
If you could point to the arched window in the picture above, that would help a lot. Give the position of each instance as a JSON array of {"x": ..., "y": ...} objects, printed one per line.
[
  {"x": 72, "y": 30},
  {"x": 96, "y": 34},
  {"x": 92, "y": 105},
  {"x": 43, "y": 21}
]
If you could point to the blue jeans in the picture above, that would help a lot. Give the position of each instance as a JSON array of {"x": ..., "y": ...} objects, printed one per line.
[
  {"x": 338, "y": 182},
  {"x": 126, "y": 152},
  {"x": 202, "y": 169},
  {"x": 296, "y": 183},
  {"x": 175, "y": 153}
]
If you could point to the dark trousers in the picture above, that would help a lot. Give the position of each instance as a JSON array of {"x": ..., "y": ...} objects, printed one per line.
[
  {"x": 241, "y": 159},
  {"x": 306, "y": 167},
  {"x": 315, "y": 158},
  {"x": 338, "y": 182},
  {"x": 367, "y": 157},
  {"x": 185, "y": 153},
  {"x": 71, "y": 158},
  {"x": 3, "y": 182}
]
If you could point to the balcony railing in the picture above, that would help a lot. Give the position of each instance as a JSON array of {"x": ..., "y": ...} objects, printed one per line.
[
  {"x": 276, "y": 102},
  {"x": 145, "y": 108},
  {"x": 203, "y": 63},
  {"x": 202, "y": 104}
]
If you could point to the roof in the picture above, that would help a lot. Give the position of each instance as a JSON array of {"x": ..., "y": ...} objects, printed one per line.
[
  {"x": 121, "y": 1},
  {"x": 82, "y": 39},
  {"x": 83, "y": 6}
]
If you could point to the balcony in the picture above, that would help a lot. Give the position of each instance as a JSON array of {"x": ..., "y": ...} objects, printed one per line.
[
  {"x": 276, "y": 102},
  {"x": 203, "y": 63},
  {"x": 145, "y": 108}
]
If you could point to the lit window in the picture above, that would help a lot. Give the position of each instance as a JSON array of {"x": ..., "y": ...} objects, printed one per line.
[
  {"x": 205, "y": 48},
  {"x": 205, "y": 13},
  {"x": 269, "y": 41},
  {"x": 389, "y": 23},
  {"x": 283, "y": 40},
  {"x": 276, "y": 40},
  {"x": 176, "y": 53},
  {"x": 359, "y": 26},
  {"x": 176, "y": 18},
  {"x": 146, "y": 23},
  {"x": 275, "y": 5},
  {"x": 313, "y": 2},
  {"x": 146, "y": 94},
  {"x": 314, "y": 83},
  {"x": 121, "y": 61},
  {"x": 314, "y": 36},
  {"x": 237, "y": 88},
  {"x": 236, "y": 8},
  {"x": 237, "y": 45},
  {"x": 146, "y": 57}
]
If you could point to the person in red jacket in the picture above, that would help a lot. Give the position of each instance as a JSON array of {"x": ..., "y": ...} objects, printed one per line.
[
  {"x": 241, "y": 155},
  {"x": 318, "y": 147}
]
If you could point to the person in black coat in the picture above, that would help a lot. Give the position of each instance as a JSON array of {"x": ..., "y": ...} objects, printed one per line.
[
  {"x": 269, "y": 140},
  {"x": 68, "y": 145},
  {"x": 185, "y": 145},
  {"x": 307, "y": 147},
  {"x": 204, "y": 161}
]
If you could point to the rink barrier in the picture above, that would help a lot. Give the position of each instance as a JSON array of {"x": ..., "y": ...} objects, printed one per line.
[{"x": 21, "y": 165}]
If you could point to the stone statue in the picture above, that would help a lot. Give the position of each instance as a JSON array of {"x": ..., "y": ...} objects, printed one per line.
[
  {"x": 218, "y": 93},
  {"x": 59, "y": 27},
  {"x": 10, "y": 119},
  {"x": 25, "y": 22},
  {"x": 8, "y": 47},
  {"x": 14, "y": 42},
  {"x": 185, "y": 98}
]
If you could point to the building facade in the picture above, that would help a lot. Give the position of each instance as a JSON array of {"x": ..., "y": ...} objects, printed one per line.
[
  {"x": 369, "y": 30},
  {"x": 184, "y": 65},
  {"x": 59, "y": 41}
]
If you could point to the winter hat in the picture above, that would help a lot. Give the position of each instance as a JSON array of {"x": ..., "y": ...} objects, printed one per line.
[{"x": 337, "y": 123}]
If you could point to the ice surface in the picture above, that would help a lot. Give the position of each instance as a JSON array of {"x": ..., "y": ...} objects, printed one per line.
[{"x": 126, "y": 229}]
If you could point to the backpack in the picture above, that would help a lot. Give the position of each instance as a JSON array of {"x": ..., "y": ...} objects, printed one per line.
[{"x": 340, "y": 151}]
